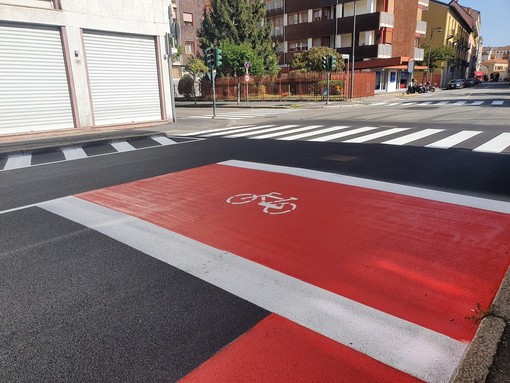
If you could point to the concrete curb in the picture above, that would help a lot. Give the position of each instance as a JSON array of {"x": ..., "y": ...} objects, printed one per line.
[{"x": 479, "y": 357}]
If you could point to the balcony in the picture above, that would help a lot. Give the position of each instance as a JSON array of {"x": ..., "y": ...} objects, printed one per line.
[
  {"x": 386, "y": 20},
  {"x": 377, "y": 51},
  {"x": 384, "y": 51},
  {"x": 366, "y": 22},
  {"x": 419, "y": 54},
  {"x": 421, "y": 28},
  {"x": 424, "y": 4}
]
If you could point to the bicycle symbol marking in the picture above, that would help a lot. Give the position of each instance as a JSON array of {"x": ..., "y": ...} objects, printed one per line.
[{"x": 272, "y": 202}]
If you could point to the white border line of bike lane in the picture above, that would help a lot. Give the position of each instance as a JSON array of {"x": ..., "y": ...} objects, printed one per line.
[{"x": 416, "y": 350}]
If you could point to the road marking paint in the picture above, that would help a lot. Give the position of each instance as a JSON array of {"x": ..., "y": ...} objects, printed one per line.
[
  {"x": 413, "y": 137},
  {"x": 411, "y": 191},
  {"x": 477, "y": 103},
  {"x": 497, "y": 102},
  {"x": 425, "y": 103},
  {"x": 442, "y": 103},
  {"x": 459, "y": 103},
  {"x": 378, "y": 103},
  {"x": 394, "y": 103},
  {"x": 496, "y": 145},
  {"x": 18, "y": 161},
  {"x": 411, "y": 348},
  {"x": 267, "y": 130},
  {"x": 163, "y": 140},
  {"x": 454, "y": 139},
  {"x": 312, "y": 133},
  {"x": 122, "y": 146},
  {"x": 74, "y": 153},
  {"x": 239, "y": 130},
  {"x": 335, "y": 136},
  {"x": 215, "y": 130},
  {"x": 376, "y": 135},
  {"x": 291, "y": 131},
  {"x": 408, "y": 103}
]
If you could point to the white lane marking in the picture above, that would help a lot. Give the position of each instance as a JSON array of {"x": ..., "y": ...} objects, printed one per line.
[
  {"x": 215, "y": 130},
  {"x": 378, "y": 103},
  {"x": 454, "y": 139},
  {"x": 413, "y": 137},
  {"x": 373, "y": 136},
  {"x": 313, "y": 133},
  {"x": 122, "y": 146},
  {"x": 163, "y": 140},
  {"x": 394, "y": 103},
  {"x": 291, "y": 131},
  {"x": 416, "y": 350},
  {"x": 425, "y": 103},
  {"x": 408, "y": 103},
  {"x": 74, "y": 153},
  {"x": 459, "y": 103},
  {"x": 430, "y": 194},
  {"x": 442, "y": 103},
  {"x": 497, "y": 102},
  {"x": 238, "y": 130},
  {"x": 476, "y": 103},
  {"x": 266, "y": 130},
  {"x": 335, "y": 136},
  {"x": 496, "y": 145},
  {"x": 18, "y": 161}
]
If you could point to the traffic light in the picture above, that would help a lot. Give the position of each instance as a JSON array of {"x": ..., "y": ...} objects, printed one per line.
[
  {"x": 332, "y": 63},
  {"x": 209, "y": 57},
  {"x": 325, "y": 62},
  {"x": 217, "y": 57}
]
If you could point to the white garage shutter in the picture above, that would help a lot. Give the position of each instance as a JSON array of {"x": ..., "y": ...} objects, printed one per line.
[
  {"x": 34, "y": 93},
  {"x": 123, "y": 78}
]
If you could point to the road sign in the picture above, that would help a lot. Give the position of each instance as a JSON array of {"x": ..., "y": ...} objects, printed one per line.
[
  {"x": 410, "y": 66},
  {"x": 345, "y": 57},
  {"x": 246, "y": 64},
  {"x": 247, "y": 78}
]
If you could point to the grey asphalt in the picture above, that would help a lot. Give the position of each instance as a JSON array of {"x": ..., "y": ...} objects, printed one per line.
[{"x": 483, "y": 358}]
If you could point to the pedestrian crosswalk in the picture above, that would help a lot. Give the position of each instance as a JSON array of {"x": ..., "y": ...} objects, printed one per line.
[
  {"x": 245, "y": 113},
  {"x": 444, "y": 103},
  {"x": 475, "y": 140}
]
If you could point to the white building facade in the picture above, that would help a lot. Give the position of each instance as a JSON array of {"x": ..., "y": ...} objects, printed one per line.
[{"x": 68, "y": 64}]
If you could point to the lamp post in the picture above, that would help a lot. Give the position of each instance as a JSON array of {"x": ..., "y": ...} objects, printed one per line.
[
  {"x": 435, "y": 29},
  {"x": 353, "y": 46}
]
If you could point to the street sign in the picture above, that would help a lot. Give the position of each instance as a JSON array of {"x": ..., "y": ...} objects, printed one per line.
[
  {"x": 345, "y": 57},
  {"x": 410, "y": 66},
  {"x": 246, "y": 64},
  {"x": 247, "y": 78}
]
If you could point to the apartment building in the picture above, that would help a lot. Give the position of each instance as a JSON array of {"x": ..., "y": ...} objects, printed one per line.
[
  {"x": 460, "y": 29},
  {"x": 386, "y": 33},
  {"x": 75, "y": 64}
]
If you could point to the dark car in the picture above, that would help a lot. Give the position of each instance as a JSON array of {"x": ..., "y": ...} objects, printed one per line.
[
  {"x": 455, "y": 84},
  {"x": 471, "y": 81}
]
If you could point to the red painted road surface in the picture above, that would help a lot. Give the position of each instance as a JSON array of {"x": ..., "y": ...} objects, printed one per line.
[{"x": 424, "y": 261}]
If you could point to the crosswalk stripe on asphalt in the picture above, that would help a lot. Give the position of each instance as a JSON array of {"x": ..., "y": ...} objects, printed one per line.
[
  {"x": 453, "y": 140},
  {"x": 496, "y": 145},
  {"x": 412, "y": 137}
]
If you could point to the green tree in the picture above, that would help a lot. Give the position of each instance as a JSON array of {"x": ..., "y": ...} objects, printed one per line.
[
  {"x": 186, "y": 86},
  {"x": 239, "y": 22},
  {"x": 311, "y": 60},
  {"x": 196, "y": 68},
  {"x": 437, "y": 55}
]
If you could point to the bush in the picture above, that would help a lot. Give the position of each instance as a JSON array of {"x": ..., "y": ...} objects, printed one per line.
[{"x": 186, "y": 86}]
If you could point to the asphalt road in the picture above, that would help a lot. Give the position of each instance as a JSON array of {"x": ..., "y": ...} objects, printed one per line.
[{"x": 79, "y": 304}]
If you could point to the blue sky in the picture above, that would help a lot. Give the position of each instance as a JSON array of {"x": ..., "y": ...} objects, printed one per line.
[{"x": 495, "y": 20}]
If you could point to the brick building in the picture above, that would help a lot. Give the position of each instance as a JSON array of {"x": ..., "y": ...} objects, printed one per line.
[{"x": 386, "y": 33}]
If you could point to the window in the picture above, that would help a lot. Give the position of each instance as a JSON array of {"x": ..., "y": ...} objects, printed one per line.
[
  {"x": 276, "y": 24},
  {"x": 297, "y": 46},
  {"x": 272, "y": 5},
  {"x": 189, "y": 48},
  {"x": 317, "y": 15},
  {"x": 327, "y": 14},
  {"x": 187, "y": 18},
  {"x": 303, "y": 17},
  {"x": 292, "y": 18},
  {"x": 50, "y": 4}
]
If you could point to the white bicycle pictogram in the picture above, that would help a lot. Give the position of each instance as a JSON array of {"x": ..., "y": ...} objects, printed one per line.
[{"x": 272, "y": 202}]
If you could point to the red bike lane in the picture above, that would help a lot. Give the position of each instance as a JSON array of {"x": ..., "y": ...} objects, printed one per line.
[{"x": 423, "y": 261}]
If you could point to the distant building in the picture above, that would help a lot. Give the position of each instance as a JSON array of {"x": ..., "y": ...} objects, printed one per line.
[
  {"x": 79, "y": 64},
  {"x": 495, "y": 68}
]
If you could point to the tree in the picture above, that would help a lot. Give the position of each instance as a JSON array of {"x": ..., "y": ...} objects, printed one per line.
[
  {"x": 311, "y": 60},
  {"x": 240, "y": 22},
  {"x": 186, "y": 86},
  {"x": 437, "y": 54},
  {"x": 196, "y": 68}
]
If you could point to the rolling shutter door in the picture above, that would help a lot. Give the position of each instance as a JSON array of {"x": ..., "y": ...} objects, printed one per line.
[
  {"x": 123, "y": 78},
  {"x": 34, "y": 92}
]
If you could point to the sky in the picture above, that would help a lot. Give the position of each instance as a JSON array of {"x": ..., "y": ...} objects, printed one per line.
[{"x": 495, "y": 20}]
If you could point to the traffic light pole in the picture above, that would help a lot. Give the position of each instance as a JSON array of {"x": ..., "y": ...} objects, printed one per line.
[
  {"x": 328, "y": 82},
  {"x": 213, "y": 76}
]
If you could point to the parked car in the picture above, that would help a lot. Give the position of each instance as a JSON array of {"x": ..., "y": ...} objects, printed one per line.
[
  {"x": 471, "y": 81},
  {"x": 455, "y": 84}
]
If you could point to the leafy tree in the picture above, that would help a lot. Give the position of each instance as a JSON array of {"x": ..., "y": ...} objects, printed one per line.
[
  {"x": 239, "y": 22},
  {"x": 311, "y": 60},
  {"x": 234, "y": 57},
  {"x": 437, "y": 55},
  {"x": 186, "y": 86},
  {"x": 196, "y": 68}
]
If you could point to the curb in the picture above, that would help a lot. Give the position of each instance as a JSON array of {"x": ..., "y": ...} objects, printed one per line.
[{"x": 479, "y": 356}]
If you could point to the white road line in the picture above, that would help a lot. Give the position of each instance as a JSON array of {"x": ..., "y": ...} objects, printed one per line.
[
  {"x": 416, "y": 350},
  {"x": 425, "y": 103},
  {"x": 496, "y": 145},
  {"x": 122, "y": 146},
  {"x": 74, "y": 153},
  {"x": 412, "y": 137},
  {"x": 215, "y": 130},
  {"x": 163, "y": 140},
  {"x": 454, "y": 139},
  {"x": 267, "y": 130},
  {"x": 394, "y": 103},
  {"x": 442, "y": 103},
  {"x": 373, "y": 136},
  {"x": 378, "y": 103},
  {"x": 239, "y": 130},
  {"x": 291, "y": 131},
  {"x": 313, "y": 133},
  {"x": 459, "y": 103},
  {"x": 476, "y": 103},
  {"x": 335, "y": 136},
  {"x": 497, "y": 102},
  {"x": 18, "y": 161},
  {"x": 408, "y": 103}
]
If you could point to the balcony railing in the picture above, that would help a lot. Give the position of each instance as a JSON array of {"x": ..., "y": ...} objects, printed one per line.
[
  {"x": 421, "y": 27},
  {"x": 386, "y": 20},
  {"x": 384, "y": 51},
  {"x": 424, "y": 4},
  {"x": 419, "y": 54},
  {"x": 276, "y": 31}
]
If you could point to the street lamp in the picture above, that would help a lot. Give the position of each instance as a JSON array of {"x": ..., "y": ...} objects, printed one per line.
[
  {"x": 353, "y": 46},
  {"x": 435, "y": 29}
]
